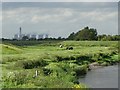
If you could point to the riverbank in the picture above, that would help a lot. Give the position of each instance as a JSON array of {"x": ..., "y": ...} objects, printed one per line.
[{"x": 97, "y": 65}]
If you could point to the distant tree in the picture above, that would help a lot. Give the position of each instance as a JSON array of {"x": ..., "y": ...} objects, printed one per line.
[
  {"x": 86, "y": 27},
  {"x": 32, "y": 39},
  {"x": 25, "y": 38},
  {"x": 109, "y": 38},
  {"x": 99, "y": 37},
  {"x": 116, "y": 37},
  {"x": 71, "y": 36},
  {"x": 105, "y": 37},
  {"x": 84, "y": 34},
  {"x": 59, "y": 38}
]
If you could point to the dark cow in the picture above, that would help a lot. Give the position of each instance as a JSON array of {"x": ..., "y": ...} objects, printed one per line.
[{"x": 69, "y": 48}]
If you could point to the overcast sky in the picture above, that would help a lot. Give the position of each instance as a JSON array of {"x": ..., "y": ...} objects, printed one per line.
[{"x": 58, "y": 18}]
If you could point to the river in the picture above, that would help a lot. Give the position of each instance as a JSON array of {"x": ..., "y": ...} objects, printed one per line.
[{"x": 104, "y": 77}]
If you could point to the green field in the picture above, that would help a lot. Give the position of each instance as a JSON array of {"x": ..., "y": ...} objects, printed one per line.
[{"x": 57, "y": 67}]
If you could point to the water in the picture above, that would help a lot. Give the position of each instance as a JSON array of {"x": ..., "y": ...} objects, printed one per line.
[{"x": 104, "y": 77}]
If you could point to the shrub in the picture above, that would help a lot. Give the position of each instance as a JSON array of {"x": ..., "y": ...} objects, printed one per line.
[
  {"x": 29, "y": 64},
  {"x": 104, "y": 64},
  {"x": 53, "y": 82},
  {"x": 15, "y": 78},
  {"x": 80, "y": 70},
  {"x": 84, "y": 59},
  {"x": 47, "y": 71},
  {"x": 81, "y": 86},
  {"x": 11, "y": 59}
]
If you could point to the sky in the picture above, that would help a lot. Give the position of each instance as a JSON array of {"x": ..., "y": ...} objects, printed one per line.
[
  {"x": 0, "y": 19},
  {"x": 58, "y": 18}
]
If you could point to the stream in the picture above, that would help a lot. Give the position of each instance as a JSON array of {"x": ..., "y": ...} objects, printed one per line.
[{"x": 103, "y": 77}]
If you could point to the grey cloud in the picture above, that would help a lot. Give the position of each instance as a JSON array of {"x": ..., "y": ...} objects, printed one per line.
[
  {"x": 61, "y": 0},
  {"x": 76, "y": 5},
  {"x": 45, "y": 15},
  {"x": 0, "y": 19},
  {"x": 60, "y": 19}
]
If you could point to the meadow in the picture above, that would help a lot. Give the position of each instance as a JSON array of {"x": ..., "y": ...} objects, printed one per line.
[{"x": 57, "y": 67}]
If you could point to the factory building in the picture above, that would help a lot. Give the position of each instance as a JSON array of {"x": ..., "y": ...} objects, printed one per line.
[
  {"x": 40, "y": 36},
  {"x": 16, "y": 36},
  {"x": 33, "y": 36},
  {"x": 46, "y": 35},
  {"x": 28, "y": 35}
]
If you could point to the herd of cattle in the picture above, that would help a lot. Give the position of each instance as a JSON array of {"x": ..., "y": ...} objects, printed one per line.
[{"x": 67, "y": 48}]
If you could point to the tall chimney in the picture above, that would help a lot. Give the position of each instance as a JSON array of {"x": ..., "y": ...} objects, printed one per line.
[{"x": 20, "y": 33}]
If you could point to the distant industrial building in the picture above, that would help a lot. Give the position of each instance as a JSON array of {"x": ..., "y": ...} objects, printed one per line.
[
  {"x": 40, "y": 36},
  {"x": 20, "y": 34},
  {"x": 46, "y": 35},
  {"x": 33, "y": 36},
  {"x": 28, "y": 35},
  {"x": 16, "y": 36}
]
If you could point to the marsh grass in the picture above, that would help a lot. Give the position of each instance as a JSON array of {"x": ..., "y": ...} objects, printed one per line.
[
  {"x": 10, "y": 49},
  {"x": 57, "y": 67}
]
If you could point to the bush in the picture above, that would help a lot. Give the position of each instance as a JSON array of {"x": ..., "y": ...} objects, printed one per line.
[
  {"x": 83, "y": 59},
  {"x": 11, "y": 59},
  {"x": 29, "y": 64},
  {"x": 47, "y": 71},
  {"x": 53, "y": 82},
  {"x": 82, "y": 86},
  {"x": 81, "y": 70},
  {"x": 104, "y": 64},
  {"x": 14, "y": 79}
]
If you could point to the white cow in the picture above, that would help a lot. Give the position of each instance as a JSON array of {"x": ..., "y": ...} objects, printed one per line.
[{"x": 61, "y": 46}]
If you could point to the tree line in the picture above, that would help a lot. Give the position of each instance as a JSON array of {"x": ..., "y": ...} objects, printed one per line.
[
  {"x": 86, "y": 33},
  {"x": 91, "y": 34}
]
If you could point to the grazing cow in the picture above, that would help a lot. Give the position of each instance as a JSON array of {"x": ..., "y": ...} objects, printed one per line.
[
  {"x": 61, "y": 46},
  {"x": 69, "y": 48}
]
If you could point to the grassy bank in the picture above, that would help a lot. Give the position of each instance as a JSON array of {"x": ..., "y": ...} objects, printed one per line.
[{"x": 57, "y": 67}]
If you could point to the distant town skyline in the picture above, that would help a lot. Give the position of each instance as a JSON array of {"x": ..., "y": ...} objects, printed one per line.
[
  {"x": 59, "y": 19},
  {"x": 20, "y": 35}
]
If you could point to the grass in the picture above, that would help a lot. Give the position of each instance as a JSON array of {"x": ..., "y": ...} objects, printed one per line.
[
  {"x": 57, "y": 67},
  {"x": 10, "y": 49}
]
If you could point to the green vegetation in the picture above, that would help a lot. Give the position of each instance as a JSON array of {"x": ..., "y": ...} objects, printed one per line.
[
  {"x": 10, "y": 49},
  {"x": 84, "y": 34},
  {"x": 57, "y": 67},
  {"x": 91, "y": 34}
]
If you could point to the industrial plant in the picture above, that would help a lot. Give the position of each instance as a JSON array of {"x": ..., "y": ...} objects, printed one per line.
[{"x": 20, "y": 36}]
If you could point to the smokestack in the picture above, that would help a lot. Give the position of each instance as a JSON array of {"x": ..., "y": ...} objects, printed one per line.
[{"x": 20, "y": 33}]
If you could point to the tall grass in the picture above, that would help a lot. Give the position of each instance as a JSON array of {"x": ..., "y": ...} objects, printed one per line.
[{"x": 57, "y": 67}]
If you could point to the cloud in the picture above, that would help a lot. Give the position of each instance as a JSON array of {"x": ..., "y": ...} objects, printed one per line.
[
  {"x": 54, "y": 15},
  {"x": 36, "y": 15},
  {"x": 75, "y": 5},
  {"x": 61, "y": 1},
  {"x": 0, "y": 17},
  {"x": 99, "y": 16},
  {"x": 59, "y": 19},
  {"x": 0, "y": 11}
]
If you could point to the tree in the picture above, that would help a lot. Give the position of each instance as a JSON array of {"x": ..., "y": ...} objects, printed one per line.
[
  {"x": 59, "y": 38},
  {"x": 71, "y": 36},
  {"x": 84, "y": 34},
  {"x": 109, "y": 38},
  {"x": 25, "y": 38},
  {"x": 105, "y": 37}
]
